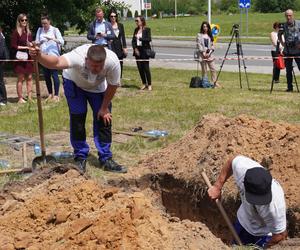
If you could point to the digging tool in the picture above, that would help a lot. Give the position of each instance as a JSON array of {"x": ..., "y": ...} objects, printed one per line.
[
  {"x": 131, "y": 134},
  {"x": 16, "y": 170},
  {"x": 223, "y": 212},
  {"x": 43, "y": 159}
]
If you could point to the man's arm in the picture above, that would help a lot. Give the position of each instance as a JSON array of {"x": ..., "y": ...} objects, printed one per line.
[
  {"x": 112, "y": 35},
  {"x": 104, "y": 113},
  {"x": 91, "y": 33},
  {"x": 53, "y": 62},
  {"x": 276, "y": 238},
  {"x": 215, "y": 191}
]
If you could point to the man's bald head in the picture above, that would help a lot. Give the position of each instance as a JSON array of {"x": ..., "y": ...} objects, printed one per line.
[{"x": 289, "y": 15}]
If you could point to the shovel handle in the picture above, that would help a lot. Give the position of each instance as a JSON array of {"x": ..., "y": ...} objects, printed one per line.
[
  {"x": 223, "y": 212},
  {"x": 39, "y": 105},
  {"x": 16, "y": 170}
]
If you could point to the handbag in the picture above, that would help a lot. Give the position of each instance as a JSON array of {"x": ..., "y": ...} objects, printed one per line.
[
  {"x": 279, "y": 62},
  {"x": 150, "y": 52},
  {"x": 21, "y": 55}
]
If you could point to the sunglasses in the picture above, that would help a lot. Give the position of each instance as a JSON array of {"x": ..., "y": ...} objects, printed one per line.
[
  {"x": 23, "y": 20},
  {"x": 113, "y": 16}
]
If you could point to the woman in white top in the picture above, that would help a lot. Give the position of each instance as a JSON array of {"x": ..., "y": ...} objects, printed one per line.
[
  {"x": 50, "y": 40},
  {"x": 206, "y": 48},
  {"x": 277, "y": 49}
]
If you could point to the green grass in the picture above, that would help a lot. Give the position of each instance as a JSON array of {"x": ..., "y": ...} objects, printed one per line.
[
  {"x": 259, "y": 24},
  {"x": 171, "y": 106}
]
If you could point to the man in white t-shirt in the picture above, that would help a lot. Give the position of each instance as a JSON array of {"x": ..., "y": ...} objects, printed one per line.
[
  {"x": 91, "y": 74},
  {"x": 261, "y": 218}
]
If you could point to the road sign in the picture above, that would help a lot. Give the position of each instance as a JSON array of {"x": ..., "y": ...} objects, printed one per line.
[
  {"x": 147, "y": 6},
  {"x": 245, "y": 4}
]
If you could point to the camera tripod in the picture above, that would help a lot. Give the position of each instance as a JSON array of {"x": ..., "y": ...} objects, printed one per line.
[{"x": 239, "y": 51}]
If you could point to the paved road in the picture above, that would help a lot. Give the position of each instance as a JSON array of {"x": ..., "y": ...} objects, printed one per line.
[{"x": 181, "y": 55}]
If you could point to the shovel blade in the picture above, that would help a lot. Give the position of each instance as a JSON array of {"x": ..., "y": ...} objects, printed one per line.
[{"x": 40, "y": 161}]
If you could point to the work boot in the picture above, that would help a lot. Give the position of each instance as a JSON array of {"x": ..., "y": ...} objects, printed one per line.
[
  {"x": 111, "y": 166},
  {"x": 81, "y": 164}
]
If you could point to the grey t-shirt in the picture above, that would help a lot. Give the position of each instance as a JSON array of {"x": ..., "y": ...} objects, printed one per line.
[{"x": 83, "y": 78}]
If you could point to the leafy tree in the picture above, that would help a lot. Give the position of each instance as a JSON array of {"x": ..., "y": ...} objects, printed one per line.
[
  {"x": 275, "y": 5},
  {"x": 77, "y": 13}
]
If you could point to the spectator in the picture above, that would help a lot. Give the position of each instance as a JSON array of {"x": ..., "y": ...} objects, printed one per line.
[
  {"x": 140, "y": 43},
  {"x": 118, "y": 44},
  {"x": 277, "y": 49},
  {"x": 50, "y": 40},
  {"x": 20, "y": 40},
  {"x": 3, "y": 56},
  {"x": 261, "y": 218},
  {"x": 91, "y": 74},
  {"x": 290, "y": 39},
  {"x": 205, "y": 47},
  {"x": 100, "y": 32}
]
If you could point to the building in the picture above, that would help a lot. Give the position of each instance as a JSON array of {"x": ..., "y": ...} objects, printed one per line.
[{"x": 135, "y": 5}]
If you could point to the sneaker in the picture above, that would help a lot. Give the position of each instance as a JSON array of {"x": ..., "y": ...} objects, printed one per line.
[
  {"x": 111, "y": 166},
  {"x": 81, "y": 164},
  {"x": 2, "y": 104}
]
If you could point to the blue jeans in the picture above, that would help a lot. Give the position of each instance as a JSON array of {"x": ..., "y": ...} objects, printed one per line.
[
  {"x": 248, "y": 238},
  {"x": 47, "y": 74},
  {"x": 77, "y": 99}
]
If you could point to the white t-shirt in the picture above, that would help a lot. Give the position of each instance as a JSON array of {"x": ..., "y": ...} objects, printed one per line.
[
  {"x": 259, "y": 220},
  {"x": 83, "y": 78}
]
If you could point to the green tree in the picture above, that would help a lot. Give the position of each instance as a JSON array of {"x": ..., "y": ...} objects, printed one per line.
[
  {"x": 265, "y": 6},
  {"x": 77, "y": 13}
]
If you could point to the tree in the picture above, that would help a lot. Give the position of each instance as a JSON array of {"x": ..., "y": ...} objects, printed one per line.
[
  {"x": 275, "y": 5},
  {"x": 77, "y": 13}
]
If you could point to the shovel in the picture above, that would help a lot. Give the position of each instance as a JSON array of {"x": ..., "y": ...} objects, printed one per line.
[
  {"x": 43, "y": 159},
  {"x": 224, "y": 214}
]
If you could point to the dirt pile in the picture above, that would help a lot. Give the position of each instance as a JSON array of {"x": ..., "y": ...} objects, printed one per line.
[
  {"x": 60, "y": 209},
  {"x": 216, "y": 138},
  {"x": 161, "y": 203}
]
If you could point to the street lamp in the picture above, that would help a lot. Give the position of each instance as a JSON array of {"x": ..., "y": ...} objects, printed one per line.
[
  {"x": 209, "y": 12},
  {"x": 175, "y": 8}
]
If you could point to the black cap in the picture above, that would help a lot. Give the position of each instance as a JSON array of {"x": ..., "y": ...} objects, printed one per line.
[{"x": 258, "y": 182}]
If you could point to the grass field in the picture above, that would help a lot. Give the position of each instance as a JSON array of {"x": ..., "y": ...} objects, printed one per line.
[
  {"x": 259, "y": 24},
  {"x": 171, "y": 106}
]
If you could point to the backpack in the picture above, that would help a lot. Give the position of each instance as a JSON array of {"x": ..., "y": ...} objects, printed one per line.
[{"x": 206, "y": 83}]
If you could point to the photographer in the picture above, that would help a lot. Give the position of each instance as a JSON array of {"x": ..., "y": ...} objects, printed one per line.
[
  {"x": 289, "y": 37},
  {"x": 205, "y": 49}
]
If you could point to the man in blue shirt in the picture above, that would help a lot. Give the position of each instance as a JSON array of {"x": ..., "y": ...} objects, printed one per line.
[{"x": 100, "y": 32}]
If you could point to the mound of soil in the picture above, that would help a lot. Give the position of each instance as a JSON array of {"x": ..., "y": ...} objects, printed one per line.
[
  {"x": 161, "y": 203},
  {"x": 61, "y": 209}
]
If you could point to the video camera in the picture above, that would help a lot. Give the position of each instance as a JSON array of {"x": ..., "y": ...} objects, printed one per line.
[{"x": 235, "y": 28}]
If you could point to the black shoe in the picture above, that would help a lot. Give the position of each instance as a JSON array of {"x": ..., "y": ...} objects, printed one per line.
[
  {"x": 289, "y": 90},
  {"x": 81, "y": 164},
  {"x": 112, "y": 166}
]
